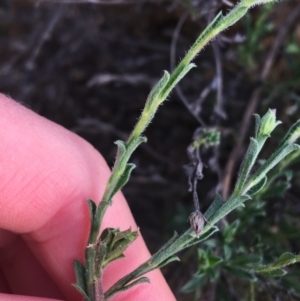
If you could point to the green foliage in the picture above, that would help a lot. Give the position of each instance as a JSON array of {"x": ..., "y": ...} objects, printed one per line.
[
  {"x": 80, "y": 285},
  {"x": 259, "y": 257},
  {"x": 114, "y": 243},
  {"x": 255, "y": 31},
  {"x": 111, "y": 244},
  {"x": 206, "y": 138}
]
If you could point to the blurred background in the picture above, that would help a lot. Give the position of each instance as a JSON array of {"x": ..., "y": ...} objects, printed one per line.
[{"x": 89, "y": 66}]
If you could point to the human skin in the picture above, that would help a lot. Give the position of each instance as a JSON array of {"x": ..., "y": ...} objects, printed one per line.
[{"x": 46, "y": 175}]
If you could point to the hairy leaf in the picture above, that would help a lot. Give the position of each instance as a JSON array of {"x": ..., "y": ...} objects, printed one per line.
[
  {"x": 247, "y": 259},
  {"x": 202, "y": 237},
  {"x": 80, "y": 284},
  {"x": 259, "y": 186},
  {"x": 241, "y": 273},
  {"x": 123, "y": 179},
  {"x": 214, "y": 207}
]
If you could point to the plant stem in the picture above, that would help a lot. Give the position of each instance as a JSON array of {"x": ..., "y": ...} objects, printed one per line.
[
  {"x": 170, "y": 249},
  {"x": 156, "y": 97},
  {"x": 153, "y": 263},
  {"x": 219, "y": 24}
]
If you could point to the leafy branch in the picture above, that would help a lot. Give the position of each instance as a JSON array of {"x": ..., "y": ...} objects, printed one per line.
[
  {"x": 111, "y": 244},
  {"x": 248, "y": 186}
]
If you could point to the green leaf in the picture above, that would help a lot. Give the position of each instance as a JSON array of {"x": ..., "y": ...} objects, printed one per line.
[
  {"x": 247, "y": 259},
  {"x": 125, "y": 235},
  {"x": 227, "y": 250},
  {"x": 119, "y": 243},
  {"x": 273, "y": 273},
  {"x": 154, "y": 95},
  {"x": 292, "y": 134},
  {"x": 228, "y": 206},
  {"x": 214, "y": 207},
  {"x": 111, "y": 259},
  {"x": 257, "y": 124},
  {"x": 84, "y": 295},
  {"x": 241, "y": 273},
  {"x": 80, "y": 284},
  {"x": 203, "y": 258},
  {"x": 211, "y": 27},
  {"x": 171, "y": 84},
  {"x": 113, "y": 243},
  {"x": 123, "y": 179},
  {"x": 120, "y": 167},
  {"x": 202, "y": 237},
  {"x": 230, "y": 230},
  {"x": 233, "y": 16},
  {"x": 277, "y": 189},
  {"x": 274, "y": 159},
  {"x": 107, "y": 236},
  {"x": 291, "y": 282},
  {"x": 213, "y": 273},
  {"x": 100, "y": 257},
  {"x": 274, "y": 269},
  {"x": 267, "y": 124},
  {"x": 292, "y": 48},
  {"x": 214, "y": 260},
  {"x": 196, "y": 282},
  {"x": 134, "y": 144},
  {"x": 286, "y": 259},
  {"x": 168, "y": 243},
  {"x": 138, "y": 281},
  {"x": 259, "y": 186},
  {"x": 248, "y": 162},
  {"x": 92, "y": 210},
  {"x": 167, "y": 261},
  {"x": 121, "y": 148},
  {"x": 127, "y": 287}
]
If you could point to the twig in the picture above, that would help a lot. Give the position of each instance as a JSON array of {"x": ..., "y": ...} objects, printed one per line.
[{"x": 254, "y": 99}]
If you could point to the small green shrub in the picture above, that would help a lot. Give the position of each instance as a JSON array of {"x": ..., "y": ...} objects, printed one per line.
[{"x": 250, "y": 186}]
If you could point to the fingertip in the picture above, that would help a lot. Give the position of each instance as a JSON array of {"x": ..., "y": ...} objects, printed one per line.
[{"x": 33, "y": 138}]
